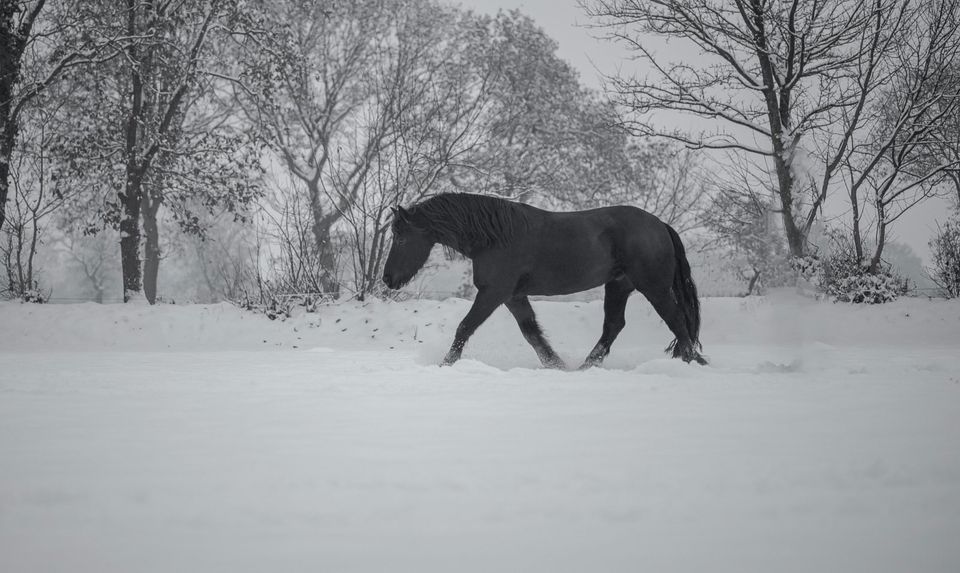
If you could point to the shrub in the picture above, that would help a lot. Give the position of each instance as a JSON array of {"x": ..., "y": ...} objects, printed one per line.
[
  {"x": 841, "y": 277},
  {"x": 275, "y": 304},
  {"x": 877, "y": 288},
  {"x": 34, "y": 295},
  {"x": 945, "y": 248}
]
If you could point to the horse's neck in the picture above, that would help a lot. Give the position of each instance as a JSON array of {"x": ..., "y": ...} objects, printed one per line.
[
  {"x": 458, "y": 243},
  {"x": 461, "y": 247}
]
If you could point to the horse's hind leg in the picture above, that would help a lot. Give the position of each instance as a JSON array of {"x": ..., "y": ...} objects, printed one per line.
[
  {"x": 522, "y": 311},
  {"x": 615, "y": 297},
  {"x": 669, "y": 310}
]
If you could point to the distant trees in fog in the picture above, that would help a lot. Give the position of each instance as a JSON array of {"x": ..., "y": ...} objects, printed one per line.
[{"x": 259, "y": 145}]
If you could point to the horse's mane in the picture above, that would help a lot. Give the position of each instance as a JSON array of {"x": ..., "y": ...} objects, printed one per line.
[{"x": 467, "y": 222}]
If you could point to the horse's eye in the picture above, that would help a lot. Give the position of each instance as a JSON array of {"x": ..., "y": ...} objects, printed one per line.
[{"x": 401, "y": 240}]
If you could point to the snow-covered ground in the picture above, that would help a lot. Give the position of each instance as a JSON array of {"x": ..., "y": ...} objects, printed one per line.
[{"x": 202, "y": 438}]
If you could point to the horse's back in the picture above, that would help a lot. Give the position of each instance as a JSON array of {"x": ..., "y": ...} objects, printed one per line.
[
  {"x": 567, "y": 252},
  {"x": 629, "y": 230}
]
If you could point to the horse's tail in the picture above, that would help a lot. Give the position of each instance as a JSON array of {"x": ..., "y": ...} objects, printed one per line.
[{"x": 685, "y": 292}]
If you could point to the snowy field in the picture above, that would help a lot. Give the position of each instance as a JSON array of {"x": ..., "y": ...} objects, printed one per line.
[{"x": 201, "y": 438}]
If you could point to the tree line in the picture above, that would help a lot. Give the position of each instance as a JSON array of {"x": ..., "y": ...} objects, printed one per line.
[{"x": 272, "y": 137}]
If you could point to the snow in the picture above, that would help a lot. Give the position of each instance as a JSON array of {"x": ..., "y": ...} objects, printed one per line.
[{"x": 203, "y": 438}]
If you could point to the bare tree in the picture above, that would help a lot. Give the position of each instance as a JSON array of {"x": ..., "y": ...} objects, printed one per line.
[
  {"x": 770, "y": 76},
  {"x": 303, "y": 83},
  {"x": 21, "y": 238},
  {"x": 943, "y": 143},
  {"x": 909, "y": 151},
  {"x": 286, "y": 243},
  {"x": 433, "y": 91},
  {"x": 948, "y": 149},
  {"x": 37, "y": 196},
  {"x": 364, "y": 104}
]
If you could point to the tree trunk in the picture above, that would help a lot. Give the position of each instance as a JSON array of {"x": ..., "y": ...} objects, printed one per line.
[
  {"x": 8, "y": 136},
  {"x": 795, "y": 240},
  {"x": 855, "y": 207},
  {"x": 753, "y": 281},
  {"x": 874, "y": 267},
  {"x": 11, "y": 48},
  {"x": 782, "y": 161},
  {"x": 955, "y": 178},
  {"x": 778, "y": 116},
  {"x": 6, "y": 151},
  {"x": 151, "y": 251},
  {"x": 326, "y": 257},
  {"x": 130, "y": 243},
  {"x": 8, "y": 262},
  {"x": 131, "y": 197}
]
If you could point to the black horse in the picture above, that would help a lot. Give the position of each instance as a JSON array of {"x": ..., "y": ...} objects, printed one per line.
[{"x": 518, "y": 250}]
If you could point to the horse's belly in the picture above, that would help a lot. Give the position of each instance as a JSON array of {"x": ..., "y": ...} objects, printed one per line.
[{"x": 566, "y": 273}]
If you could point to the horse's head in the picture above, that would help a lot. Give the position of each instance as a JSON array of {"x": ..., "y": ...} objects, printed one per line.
[{"x": 411, "y": 247}]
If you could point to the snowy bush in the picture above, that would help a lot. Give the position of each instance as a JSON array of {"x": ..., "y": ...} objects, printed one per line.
[
  {"x": 35, "y": 296},
  {"x": 841, "y": 277},
  {"x": 272, "y": 308},
  {"x": 24, "y": 292},
  {"x": 808, "y": 267},
  {"x": 274, "y": 305},
  {"x": 945, "y": 248},
  {"x": 868, "y": 288}
]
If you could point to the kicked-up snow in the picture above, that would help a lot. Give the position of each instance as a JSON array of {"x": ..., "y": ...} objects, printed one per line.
[{"x": 820, "y": 438}]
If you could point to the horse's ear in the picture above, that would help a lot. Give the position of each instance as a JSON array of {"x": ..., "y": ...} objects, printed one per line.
[{"x": 402, "y": 214}]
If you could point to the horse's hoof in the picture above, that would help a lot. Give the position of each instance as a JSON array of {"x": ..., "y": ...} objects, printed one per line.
[
  {"x": 696, "y": 357},
  {"x": 554, "y": 363},
  {"x": 588, "y": 365}
]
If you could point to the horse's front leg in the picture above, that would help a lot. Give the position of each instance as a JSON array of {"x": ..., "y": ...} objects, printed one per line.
[
  {"x": 527, "y": 320},
  {"x": 486, "y": 301}
]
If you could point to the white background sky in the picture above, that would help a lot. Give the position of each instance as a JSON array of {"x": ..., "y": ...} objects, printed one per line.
[{"x": 565, "y": 22}]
